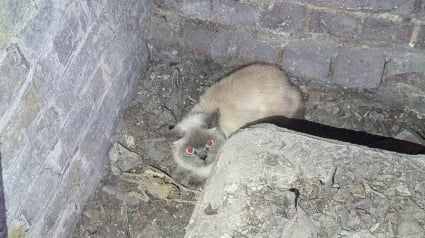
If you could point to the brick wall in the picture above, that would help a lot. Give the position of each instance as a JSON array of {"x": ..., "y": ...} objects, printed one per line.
[
  {"x": 67, "y": 69},
  {"x": 367, "y": 44}
]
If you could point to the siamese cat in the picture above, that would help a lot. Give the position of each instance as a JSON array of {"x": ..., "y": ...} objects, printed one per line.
[{"x": 243, "y": 97}]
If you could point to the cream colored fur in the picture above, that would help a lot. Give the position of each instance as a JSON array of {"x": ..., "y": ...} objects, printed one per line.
[{"x": 249, "y": 94}]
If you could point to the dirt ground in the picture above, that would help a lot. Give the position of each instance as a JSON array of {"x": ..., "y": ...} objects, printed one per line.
[{"x": 144, "y": 202}]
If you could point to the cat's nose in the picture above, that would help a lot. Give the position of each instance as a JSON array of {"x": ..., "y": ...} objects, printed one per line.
[{"x": 202, "y": 155}]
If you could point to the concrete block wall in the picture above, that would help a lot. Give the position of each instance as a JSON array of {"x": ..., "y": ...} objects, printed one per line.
[
  {"x": 67, "y": 70},
  {"x": 365, "y": 44}
]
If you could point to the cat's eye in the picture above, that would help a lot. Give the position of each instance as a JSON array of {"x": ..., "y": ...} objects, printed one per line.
[
  {"x": 210, "y": 143},
  {"x": 189, "y": 150}
]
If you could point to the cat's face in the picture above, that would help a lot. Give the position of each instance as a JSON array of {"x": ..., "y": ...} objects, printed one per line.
[{"x": 199, "y": 146}]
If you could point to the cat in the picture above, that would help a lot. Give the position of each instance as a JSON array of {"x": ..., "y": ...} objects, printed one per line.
[{"x": 247, "y": 95}]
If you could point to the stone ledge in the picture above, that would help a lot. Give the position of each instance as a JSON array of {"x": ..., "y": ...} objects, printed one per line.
[{"x": 245, "y": 196}]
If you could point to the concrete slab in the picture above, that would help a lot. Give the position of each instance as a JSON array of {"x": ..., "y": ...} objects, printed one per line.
[{"x": 344, "y": 190}]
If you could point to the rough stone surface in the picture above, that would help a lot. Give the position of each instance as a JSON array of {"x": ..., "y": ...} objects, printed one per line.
[
  {"x": 208, "y": 40},
  {"x": 406, "y": 68},
  {"x": 284, "y": 17},
  {"x": 359, "y": 68},
  {"x": 405, "y": 62},
  {"x": 223, "y": 11},
  {"x": 340, "y": 25},
  {"x": 421, "y": 38},
  {"x": 420, "y": 10},
  {"x": 308, "y": 59},
  {"x": 416, "y": 79},
  {"x": 403, "y": 7},
  {"x": 66, "y": 76},
  {"x": 73, "y": 30},
  {"x": 251, "y": 50},
  {"x": 41, "y": 27},
  {"x": 14, "y": 17},
  {"x": 194, "y": 8},
  {"x": 371, "y": 190},
  {"x": 387, "y": 31},
  {"x": 9, "y": 89},
  {"x": 231, "y": 12}
]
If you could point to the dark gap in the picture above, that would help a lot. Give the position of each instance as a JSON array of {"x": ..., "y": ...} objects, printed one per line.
[
  {"x": 346, "y": 135},
  {"x": 3, "y": 220}
]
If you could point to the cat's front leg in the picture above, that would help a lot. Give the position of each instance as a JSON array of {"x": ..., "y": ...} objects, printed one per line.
[{"x": 187, "y": 178}]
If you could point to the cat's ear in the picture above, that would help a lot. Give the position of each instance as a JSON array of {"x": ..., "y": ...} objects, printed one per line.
[
  {"x": 174, "y": 134},
  {"x": 211, "y": 119}
]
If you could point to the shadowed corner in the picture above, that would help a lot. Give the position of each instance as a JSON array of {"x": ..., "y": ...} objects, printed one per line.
[{"x": 3, "y": 223}]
